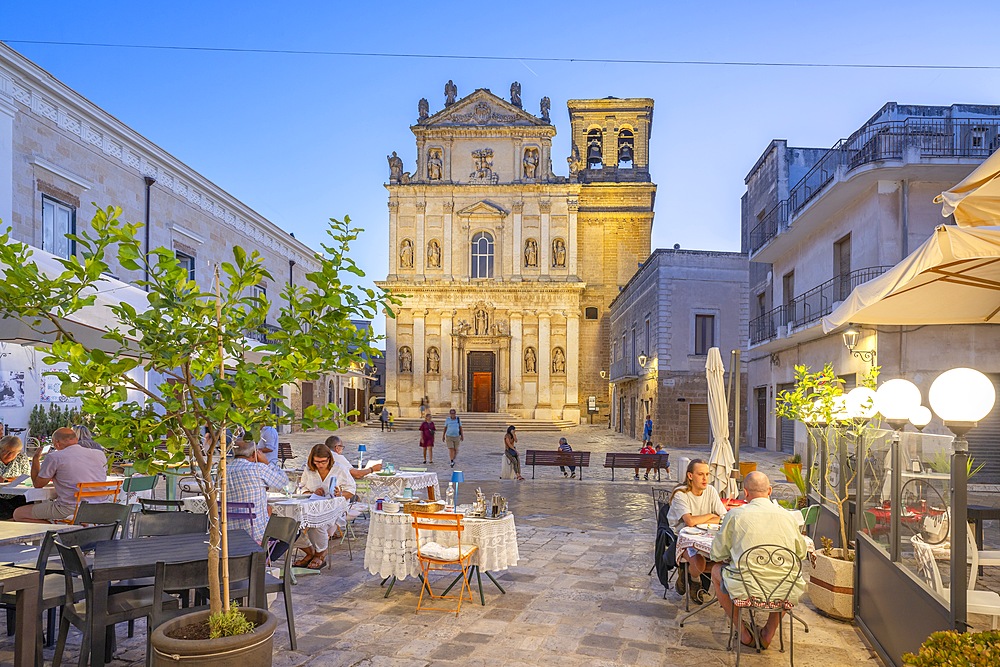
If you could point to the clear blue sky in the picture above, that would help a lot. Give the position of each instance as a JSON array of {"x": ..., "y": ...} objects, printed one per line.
[{"x": 301, "y": 138}]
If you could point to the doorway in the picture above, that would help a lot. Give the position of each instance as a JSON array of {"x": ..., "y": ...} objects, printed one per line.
[
  {"x": 481, "y": 382},
  {"x": 761, "y": 396},
  {"x": 307, "y": 394}
]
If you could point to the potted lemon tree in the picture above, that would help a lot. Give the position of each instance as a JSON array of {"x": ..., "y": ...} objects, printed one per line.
[{"x": 207, "y": 374}]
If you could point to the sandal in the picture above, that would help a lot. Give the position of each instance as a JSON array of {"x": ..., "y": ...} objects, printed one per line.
[
  {"x": 317, "y": 563},
  {"x": 754, "y": 637},
  {"x": 304, "y": 561}
]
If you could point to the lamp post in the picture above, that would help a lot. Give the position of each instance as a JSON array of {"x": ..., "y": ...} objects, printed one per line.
[
  {"x": 643, "y": 358},
  {"x": 920, "y": 417},
  {"x": 960, "y": 397},
  {"x": 361, "y": 454},
  {"x": 457, "y": 476},
  {"x": 850, "y": 337},
  {"x": 860, "y": 406},
  {"x": 896, "y": 400}
]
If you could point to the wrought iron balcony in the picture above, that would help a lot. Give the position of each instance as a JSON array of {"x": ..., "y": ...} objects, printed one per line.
[
  {"x": 810, "y": 306},
  {"x": 877, "y": 142},
  {"x": 261, "y": 336}
]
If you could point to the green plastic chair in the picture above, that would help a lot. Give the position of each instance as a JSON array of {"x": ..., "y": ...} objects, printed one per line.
[{"x": 811, "y": 517}]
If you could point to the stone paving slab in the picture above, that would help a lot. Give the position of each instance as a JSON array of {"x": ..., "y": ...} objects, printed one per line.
[{"x": 581, "y": 594}]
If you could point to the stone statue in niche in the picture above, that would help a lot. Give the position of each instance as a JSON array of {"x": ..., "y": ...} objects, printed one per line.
[
  {"x": 530, "y": 361},
  {"x": 530, "y": 163},
  {"x": 433, "y": 361},
  {"x": 574, "y": 162},
  {"x": 405, "y": 360},
  {"x": 434, "y": 164},
  {"x": 531, "y": 252},
  {"x": 482, "y": 322},
  {"x": 558, "y": 361},
  {"x": 406, "y": 254},
  {"x": 434, "y": 255},
  {"x": 558, "y": 253},
  {"x": 395, "y": 167},
  {"x": 423, "y": 108},
  {"x": 450, "y": 93},
  {"x": 515, "y": 94},
  {"x": 545, "y": 105}
]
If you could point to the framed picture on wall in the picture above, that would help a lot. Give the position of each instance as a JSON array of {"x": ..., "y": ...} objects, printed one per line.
[{"x": 12, "y": 389}]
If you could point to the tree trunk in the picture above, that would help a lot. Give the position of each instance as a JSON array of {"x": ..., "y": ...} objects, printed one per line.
[{"x": 214, "y": 547}]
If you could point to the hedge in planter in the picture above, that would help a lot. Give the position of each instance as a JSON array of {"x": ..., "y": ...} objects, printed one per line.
[{"x": 972, "y": 649}]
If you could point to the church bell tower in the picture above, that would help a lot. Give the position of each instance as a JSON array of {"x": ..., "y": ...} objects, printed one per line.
[{"x": 610, "y": 140}]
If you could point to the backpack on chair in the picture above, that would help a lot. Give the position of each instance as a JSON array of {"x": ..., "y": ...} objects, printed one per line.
[{"x": 665, "y": 550}]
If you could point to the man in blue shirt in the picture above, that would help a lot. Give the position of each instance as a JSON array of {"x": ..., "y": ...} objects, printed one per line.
[
  {"x": 647, "y": 430},
  {"x": 269, "y": 444},
  {"x": 453, "y": 434}
]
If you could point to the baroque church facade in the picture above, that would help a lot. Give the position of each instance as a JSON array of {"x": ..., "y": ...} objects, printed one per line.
[{"x": 506, "y": 269}]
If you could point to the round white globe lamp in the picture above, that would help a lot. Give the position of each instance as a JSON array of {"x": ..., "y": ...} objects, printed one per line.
[
  {"x": 860, "y": 403},
  {"x": 839, "y": 410},
  {"x": 920, "y": 417},
  {"x": 896, "y": 400},
  {"x": 961, "y": 397}
]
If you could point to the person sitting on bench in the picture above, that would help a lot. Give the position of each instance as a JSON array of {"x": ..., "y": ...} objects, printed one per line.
[{"x": 564, "y": 447}]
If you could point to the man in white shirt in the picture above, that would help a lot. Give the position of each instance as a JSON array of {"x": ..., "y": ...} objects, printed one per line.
[
  {"x": 692, "y": 503},
  {"x": 759, "y": 522},
  {"x": 346, "y": 473},
  {"x": 66, "y": 465}
]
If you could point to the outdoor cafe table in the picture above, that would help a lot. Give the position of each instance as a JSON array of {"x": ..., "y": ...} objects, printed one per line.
[
  {"x": 387, "y": 486},
  {"x": 116, "y": 560},
  {"x": 47, "y": 492},
  {"x": 18, "y": 532},
  {"x": 391, "y": 550},
  {"x": 309, "y": 512},
  {"x": 24, "y": 583}
]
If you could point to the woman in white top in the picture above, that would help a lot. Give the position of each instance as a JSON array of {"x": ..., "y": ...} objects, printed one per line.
[
  {"x": 319, "y": 478},
  {"x": 695, "y": 501}
]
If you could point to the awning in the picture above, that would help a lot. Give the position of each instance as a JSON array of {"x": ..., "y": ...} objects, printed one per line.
[
  {"x": 976, "y": 200},
  {"x": 953, "y": 278}
]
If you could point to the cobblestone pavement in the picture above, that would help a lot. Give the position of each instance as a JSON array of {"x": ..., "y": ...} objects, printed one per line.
[{"x": 581, "y": 594}]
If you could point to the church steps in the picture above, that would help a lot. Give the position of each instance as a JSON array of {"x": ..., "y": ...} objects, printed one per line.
[{"x": 481, "y": 422}]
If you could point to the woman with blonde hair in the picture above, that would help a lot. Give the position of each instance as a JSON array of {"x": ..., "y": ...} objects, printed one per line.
[
  {"x": 318, "y": 478},
  {"x": 694, "y": 502}
]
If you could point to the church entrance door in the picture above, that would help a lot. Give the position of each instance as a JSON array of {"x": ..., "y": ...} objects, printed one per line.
[{"x": 481, "y": 379}]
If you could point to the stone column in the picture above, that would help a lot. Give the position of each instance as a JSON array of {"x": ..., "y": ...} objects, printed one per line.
[
  {"x": 391, "y": 366},
  {"x": 446, "y": 358},
  {"x": 515, "y": 269},
  {"x": 420, "y": 251},
  {"x": 544, "y": 408},
  {"x": 448, "y": 251},
  {"x": 545, "y": 243},
  {"x": 7, "y": 113},
  {"x": 447, "y": 160},
  {"x": 393, "y": 237},
  {"x": 572, "y": 409},
  {"x": 573, "y": 207},
  {"x": 516, "y": 360},
  {"x": 419, "y": 356}
]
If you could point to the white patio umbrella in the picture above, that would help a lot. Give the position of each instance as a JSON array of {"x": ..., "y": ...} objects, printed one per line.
[
  {"x": 953, "y": 278},
  {"x": 720, "y": 463},
  {"x": 976, "y": 200}
]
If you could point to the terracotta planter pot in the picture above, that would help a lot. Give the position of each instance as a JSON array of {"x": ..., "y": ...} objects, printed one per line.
[
  {"x": 254, "y": 648},
  {"x": 831, "y": 585},
  {"x": 747, "y": 467},
  {"x": 788, "y": 466}
]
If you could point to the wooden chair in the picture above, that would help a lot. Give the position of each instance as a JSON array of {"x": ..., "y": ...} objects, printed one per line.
[
  {"x": 102, "y": 490},
  {"x": 127, "y": 606},
  {"x": 769, "y": 574},
  {"x": 434, "y": 556}
]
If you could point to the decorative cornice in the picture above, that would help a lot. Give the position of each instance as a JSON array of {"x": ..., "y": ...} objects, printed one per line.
[
  {"x": 448, "y": 206},
  {"x": 62, "y": 173},
  {"x": 545, "y": 206},
  {"x": 517, "y": 207},
  {"x": 50, "y": 99},
  {"x": 393, "y": 205},
  {"x": 421, "y": 207}
]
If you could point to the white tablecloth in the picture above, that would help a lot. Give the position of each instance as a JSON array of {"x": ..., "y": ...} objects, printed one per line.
[
  {"x": 384, "y": 486},
  {"x": 701, "y": 541},
  {"x": 48, "y": 492},
  {"x": 392, "y": 548},
  {"x": 311, "y": 513}
]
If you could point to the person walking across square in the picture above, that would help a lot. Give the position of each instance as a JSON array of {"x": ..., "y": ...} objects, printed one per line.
[
  {"x": 427, "y": 429},
  {"x": 453, "y": 434},
  {"x": 647, "y": 430},
  {"x": 564, "y": 447},
  {"x": 383, "y": 418}
]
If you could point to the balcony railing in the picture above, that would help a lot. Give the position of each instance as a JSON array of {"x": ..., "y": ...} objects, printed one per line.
[
  {"x": 810, "y": 306},
  {"x": 889, "y": 140},
  {"x": 260, "y": 336}
]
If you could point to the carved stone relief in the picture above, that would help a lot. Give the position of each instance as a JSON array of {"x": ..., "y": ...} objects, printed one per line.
[
  {"x": 530, "y": 163},
  {"x": 482, "y": 320},
  {"x": 482, "y": 161}
]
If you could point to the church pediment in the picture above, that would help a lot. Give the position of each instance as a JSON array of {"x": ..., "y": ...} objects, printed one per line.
[
  {"x": 483, "y": 209},
  {"x": 482, "y": 109}
]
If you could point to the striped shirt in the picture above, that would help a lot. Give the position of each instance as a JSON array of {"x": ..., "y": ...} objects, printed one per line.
[{"x": 247, "y": 482}]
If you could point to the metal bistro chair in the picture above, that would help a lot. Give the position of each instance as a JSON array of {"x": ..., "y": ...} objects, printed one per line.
[
  {"x": 435, "y": 556},
  {"x": 237, "y": 511},
  {"x": 810, "y": 517},
  {"x": 98, "y": 514},
  {"x": 103, "y": 490},
  {"x": 285, "y": 452},
  {"x": 769, "y": 573},
  {"x": 148, "y": 505},
  {"x": 170, "y": 523},
  {"x": 127, "y": 606},
  {"x": 137, "y": 484},
  {"x": 661, "y": 497}
]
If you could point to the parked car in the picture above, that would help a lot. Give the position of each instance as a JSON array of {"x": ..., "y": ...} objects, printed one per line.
[{"x": 376, "y": 404}]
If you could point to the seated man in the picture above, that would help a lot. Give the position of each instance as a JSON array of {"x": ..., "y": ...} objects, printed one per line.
[
  {"x": 346, "y": 473},
  {"x": 759, "y": 522},
  {"x": 13, "y": 464},
  {"x": 66, "y": 465},
  {"x": 647, "y": 448},
  {"x": 693, "y": 502},
  {"x": 247, "y": 480}
]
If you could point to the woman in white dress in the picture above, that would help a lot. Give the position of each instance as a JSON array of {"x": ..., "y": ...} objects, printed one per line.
[{"x": 318, "y": 478}]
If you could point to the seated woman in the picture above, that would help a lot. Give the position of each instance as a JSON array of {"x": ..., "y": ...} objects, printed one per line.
[{"x": 319, "y": 478}]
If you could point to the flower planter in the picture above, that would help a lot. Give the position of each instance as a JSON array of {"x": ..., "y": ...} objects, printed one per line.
[
  {"x": 254, "y": 648},
  {"x": 831, "y": 585},
  {"x": 787, "y": 466},
  {"x": 747, "y": 467}
]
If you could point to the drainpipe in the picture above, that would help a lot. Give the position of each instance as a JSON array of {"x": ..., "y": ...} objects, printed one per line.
[
  {"x": 904, "y": 218},
  {"x": 291, "y": 273},
  {"x": 149, "y": 180}
]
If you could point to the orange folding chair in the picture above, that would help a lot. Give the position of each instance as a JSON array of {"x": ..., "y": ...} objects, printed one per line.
[
  {"x": 433, "y": 555},
  {"x": 94, "y": 490}
]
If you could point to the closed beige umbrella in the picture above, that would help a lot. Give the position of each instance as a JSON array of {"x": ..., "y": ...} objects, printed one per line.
[
  {"x": 976, "y": 200},
  {"x": 720, "y": 463}
]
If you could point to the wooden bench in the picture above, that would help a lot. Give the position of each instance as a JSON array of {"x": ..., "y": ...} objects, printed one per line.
[
  {"x": 537, "y": 457},
  {"x": 285, "y": 452},
  {"x": 629, "y": 460}
]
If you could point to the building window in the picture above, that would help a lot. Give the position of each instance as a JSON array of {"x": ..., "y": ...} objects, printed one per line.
[
  {"x": 186, "y": 262},
  {"x": 590, "y": 313},
  {"x": 704, "y": 333},
  {"x": 482, "y": 255},
  {"x": 58, "y": 220},
  {"x": 648, "y": 343},
  {"x": 258, "y": 291},
  {"x": 624, "y": 350}
]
